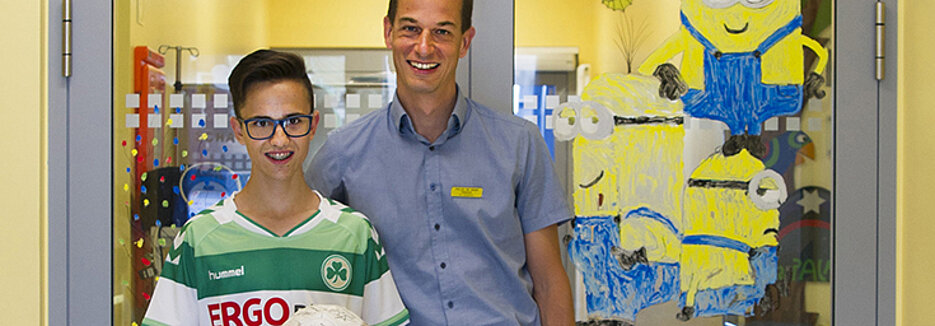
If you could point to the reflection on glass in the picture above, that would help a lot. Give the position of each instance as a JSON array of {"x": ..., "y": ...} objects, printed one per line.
[
  {"x": 174, "y": 153},
  {"x": 348, "y": 83},
  {"x": 708, "y": 200}
]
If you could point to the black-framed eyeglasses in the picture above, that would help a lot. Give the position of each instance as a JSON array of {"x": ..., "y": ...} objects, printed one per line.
[{"x": 264, "y": 128}]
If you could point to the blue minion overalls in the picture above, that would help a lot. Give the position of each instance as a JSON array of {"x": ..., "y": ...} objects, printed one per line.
[
  {"x": 611, "y": 292},
  {"x": 734, "y": 92},
  {"x": 737, "y": 299}
]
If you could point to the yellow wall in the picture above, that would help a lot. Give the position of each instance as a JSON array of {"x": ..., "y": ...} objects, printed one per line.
[
  {"x": 326, "y": 23},
  {"x": 218, "y": 28},
  {"x": 916, "y": 152},
  {"x": 660, "y": 18},
  {"x": 223, "y": 30},
  {"x": 593, "y": 28},
  {"x": 22, "y": 139},
  {"x": 557, "y": 23}
]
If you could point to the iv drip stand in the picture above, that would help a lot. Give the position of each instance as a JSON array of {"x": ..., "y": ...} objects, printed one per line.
[{"x": 163, "y": 49}]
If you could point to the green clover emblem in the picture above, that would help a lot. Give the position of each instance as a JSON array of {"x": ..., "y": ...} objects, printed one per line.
[{"x": 337, "y": 270}]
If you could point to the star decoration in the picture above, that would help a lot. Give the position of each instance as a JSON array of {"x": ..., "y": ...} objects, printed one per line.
[{"x": 810, "y": 202}]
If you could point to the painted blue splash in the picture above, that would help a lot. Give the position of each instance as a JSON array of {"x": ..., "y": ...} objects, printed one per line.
[
  {"x": 716, "y": 241},
  {"x": 644, "y": 212},
  {"x": 614, "y": 293},
  {"x": 734, "y": 92},
  {"x": 738, "y": 299},
  {"x": 611, "y": 291}
]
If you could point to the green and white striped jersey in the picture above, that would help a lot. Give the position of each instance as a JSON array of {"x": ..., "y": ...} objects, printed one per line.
[{"x": 225, "y": 269}]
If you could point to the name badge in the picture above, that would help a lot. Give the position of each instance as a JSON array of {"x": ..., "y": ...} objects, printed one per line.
[{"x": 467, "y": 192}]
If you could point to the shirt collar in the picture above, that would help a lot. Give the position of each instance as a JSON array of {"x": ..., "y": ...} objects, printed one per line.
[{"x": 459, "y": 116}]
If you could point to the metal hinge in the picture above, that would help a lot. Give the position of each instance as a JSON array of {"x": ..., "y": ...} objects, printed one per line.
[
  {"x": 66, "y": 38},
  {"x": 880, "y": 40}
]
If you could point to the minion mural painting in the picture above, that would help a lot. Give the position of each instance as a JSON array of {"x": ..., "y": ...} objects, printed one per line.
[
  {"x": 628, "y": 180},
  {"x": 637, "y": 241},
  {"x": 729, "y": 243},
  {"x": 654, "y": 225},
  {"x": 742, "y": 62}
]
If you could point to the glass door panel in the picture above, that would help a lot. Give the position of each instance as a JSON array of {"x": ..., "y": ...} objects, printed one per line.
[
  {"x": 174, "y": 153},
  {"x": 698, "y": 142}
]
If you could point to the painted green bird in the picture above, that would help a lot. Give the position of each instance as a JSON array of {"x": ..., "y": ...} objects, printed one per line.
[{"x": 786, "y": 149}]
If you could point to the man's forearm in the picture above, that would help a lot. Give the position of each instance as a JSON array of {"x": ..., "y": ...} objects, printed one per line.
[
  {"x": 554, "y": 300},
  {"x": 550, "y": 286}
]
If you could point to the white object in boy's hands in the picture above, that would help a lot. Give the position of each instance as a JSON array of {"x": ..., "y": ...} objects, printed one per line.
[{"x": 324, "y": 315}]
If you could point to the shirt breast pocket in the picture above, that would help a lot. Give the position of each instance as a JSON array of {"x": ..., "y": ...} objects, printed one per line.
[{"x": 489, "y": 209}]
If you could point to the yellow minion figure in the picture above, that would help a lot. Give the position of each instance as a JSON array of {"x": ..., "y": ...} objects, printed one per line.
[
  {"x": 730, "y": 226},
  {"x": 742, "y": 62},
  {"x": 627, "y": 154}
]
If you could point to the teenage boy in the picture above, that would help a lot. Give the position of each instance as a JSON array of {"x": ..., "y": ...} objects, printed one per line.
[
  {"x": 465, "y": 197},
  {"x": 277, "y": 245}
]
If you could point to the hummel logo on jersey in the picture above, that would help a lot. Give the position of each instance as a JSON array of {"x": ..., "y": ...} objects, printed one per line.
[{"x": 237, "y": 272}]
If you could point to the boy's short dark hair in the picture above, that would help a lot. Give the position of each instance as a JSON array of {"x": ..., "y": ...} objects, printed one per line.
[
  {"x": 267, "y": 66},
  {"x": 467, "y": 8}
]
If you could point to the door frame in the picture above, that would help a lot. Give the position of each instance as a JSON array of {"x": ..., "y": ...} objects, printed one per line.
[
  {"x": 864, "y": 195},
  {"x": 80, "y": 107},
  {"x": 80, "y": 186}
]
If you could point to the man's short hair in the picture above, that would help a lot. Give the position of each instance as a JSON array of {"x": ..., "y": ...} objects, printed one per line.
[
  {"x": 267, "y": 66},
  {"x": 467, "y": 8}
]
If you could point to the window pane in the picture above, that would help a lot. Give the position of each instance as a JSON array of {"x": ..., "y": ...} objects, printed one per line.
[
  {"x": 174, "y": 153},
  {"x": 711, "y": 204}
]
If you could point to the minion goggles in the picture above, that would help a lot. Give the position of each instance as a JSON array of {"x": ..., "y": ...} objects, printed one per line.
[
  {"x": 593, "y": 120},
  {"x": 764, "y": 198}
]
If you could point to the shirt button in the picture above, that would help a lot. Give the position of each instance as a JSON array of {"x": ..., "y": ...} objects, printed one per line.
[
  {"x": 432, "y": 186},
  {"x": 443, "y": 265},
  {"x": 432, "y": 148},
  {"x": 451, "y": 304},
  {"x": 437, "y": 227}
]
